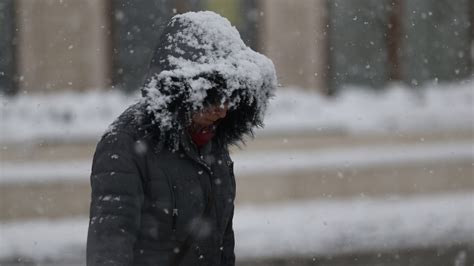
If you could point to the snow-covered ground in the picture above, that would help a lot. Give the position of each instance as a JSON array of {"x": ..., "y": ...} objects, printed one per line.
[
  {"x": 346, "y": 226},
  {"x": 279, "y": 162},
  {"x": 306, "y": 228},
  {"x": 73, "y": 115}
]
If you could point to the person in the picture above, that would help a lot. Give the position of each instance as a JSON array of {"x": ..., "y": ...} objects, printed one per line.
[{"x": 163, "y": 186}]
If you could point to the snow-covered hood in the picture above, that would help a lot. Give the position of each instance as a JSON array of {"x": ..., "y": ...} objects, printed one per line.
[{"x": 201, "y": 55}]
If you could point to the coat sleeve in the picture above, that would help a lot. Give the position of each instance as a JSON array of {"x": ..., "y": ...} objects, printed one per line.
[
  {"x": 116, "y": 201},
  {"x": 228, "y": 255}
]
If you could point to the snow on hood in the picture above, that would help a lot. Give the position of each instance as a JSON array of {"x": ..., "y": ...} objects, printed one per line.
[{"x": 201, "y": 58}]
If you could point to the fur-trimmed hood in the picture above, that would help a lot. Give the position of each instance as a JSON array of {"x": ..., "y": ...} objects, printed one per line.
[{"x": 201, "y": 59}]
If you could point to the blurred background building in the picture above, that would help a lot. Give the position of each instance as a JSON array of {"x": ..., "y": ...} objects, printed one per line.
[
  {"x": 381, "y": 173},
  {"x": 66, "y": 44}
]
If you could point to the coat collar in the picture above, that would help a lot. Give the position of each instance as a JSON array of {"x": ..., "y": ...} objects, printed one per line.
[{"x": 193, "y": 152}]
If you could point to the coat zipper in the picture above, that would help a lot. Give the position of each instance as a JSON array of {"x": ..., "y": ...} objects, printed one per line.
[
  {"x": 175, "y": 212},
  {"x": 175, "y": 217}
]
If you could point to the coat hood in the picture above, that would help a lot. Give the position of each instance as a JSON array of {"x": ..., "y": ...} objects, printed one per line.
[{"x": 200, "y": 60}]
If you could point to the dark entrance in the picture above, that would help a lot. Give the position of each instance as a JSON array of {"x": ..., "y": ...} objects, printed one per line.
[{"x": 7, "y": 47}]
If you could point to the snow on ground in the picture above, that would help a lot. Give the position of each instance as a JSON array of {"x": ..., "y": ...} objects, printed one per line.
[
  {"x": 314, "y": 228},
  {"x": 279, "y": 162},
  {"x": 74, "y": 115},
  {"x": 305, "y": 228},
  {"x": 289, "y": 161},
  {"x": 66, "y": 115},
  {"x": 360, "y": 110},
  {"x": 43, "y": 239}
]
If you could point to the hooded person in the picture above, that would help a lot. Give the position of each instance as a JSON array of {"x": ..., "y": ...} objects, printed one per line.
[{"x": 162, "y": 180}]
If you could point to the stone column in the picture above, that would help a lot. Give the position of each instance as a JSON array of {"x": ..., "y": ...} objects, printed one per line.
[
  {"x": 7, "y": 58},
  {"x": 294, "y": 37},
  {"x": 137, "y": 27},
  {"x": 63, "y": 44},
  {"x": 436, "y": 41},
  {"x": 358, "y": 36}
]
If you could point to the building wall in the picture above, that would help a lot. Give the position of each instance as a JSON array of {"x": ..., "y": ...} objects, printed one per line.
[
  {"x": 7, "y": 59},
  {"x": 294, "y": 37},
  {"x": 315, "y": 44},
  {"x": 436, "y": 41},
  {"x": 358, "y": 43},
  {"x": 137, "y": 26},
  {"x": 62, "y": 44}
]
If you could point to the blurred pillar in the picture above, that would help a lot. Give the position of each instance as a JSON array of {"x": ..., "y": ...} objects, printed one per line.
[
  {"x": 394, "y": 40},
  {"x": 226, "y": 8},
  {"x": 358, "y": 42},
  {"x": 436, "y": 41},
  {"x": 62, "y": 44},
  {"x": 250, "y": 26},
  {"x": 293, "y": 35},
  {"x": 472, "y": 39},
  {"x": 243, "y": 14},
  {"x": 182, "y": 6},
  {"x": 7, "y": 40},
  {"x": 137, "y": 26}
]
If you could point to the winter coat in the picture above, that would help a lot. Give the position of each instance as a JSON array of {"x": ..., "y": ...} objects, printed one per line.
[{"x": 152, "y": 188}]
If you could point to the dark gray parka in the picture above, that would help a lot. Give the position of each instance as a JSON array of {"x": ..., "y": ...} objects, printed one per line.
[{"x": 153, "y": 190}]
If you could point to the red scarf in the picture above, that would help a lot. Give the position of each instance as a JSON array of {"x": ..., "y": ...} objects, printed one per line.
[{"x": 202, "y": 137}]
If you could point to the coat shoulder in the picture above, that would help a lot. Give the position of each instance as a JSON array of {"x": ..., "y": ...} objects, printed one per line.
[{"x": 135, "y": 122}]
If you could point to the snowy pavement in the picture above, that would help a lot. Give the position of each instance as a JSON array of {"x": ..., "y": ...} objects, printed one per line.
[
  {"x": 315, "y": 228},
  {"x": 285, "y": 172},
  {"x": 310, "y": 227},
  {"x": 289, "y": 161},
  {"x": 69, "y": 116},
  {"x": 251, "y": 164},
  {"x": 304, "y": 228}
]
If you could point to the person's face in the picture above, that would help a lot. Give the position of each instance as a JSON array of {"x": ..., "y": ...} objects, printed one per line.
[{"x": 209, "y": 115}]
